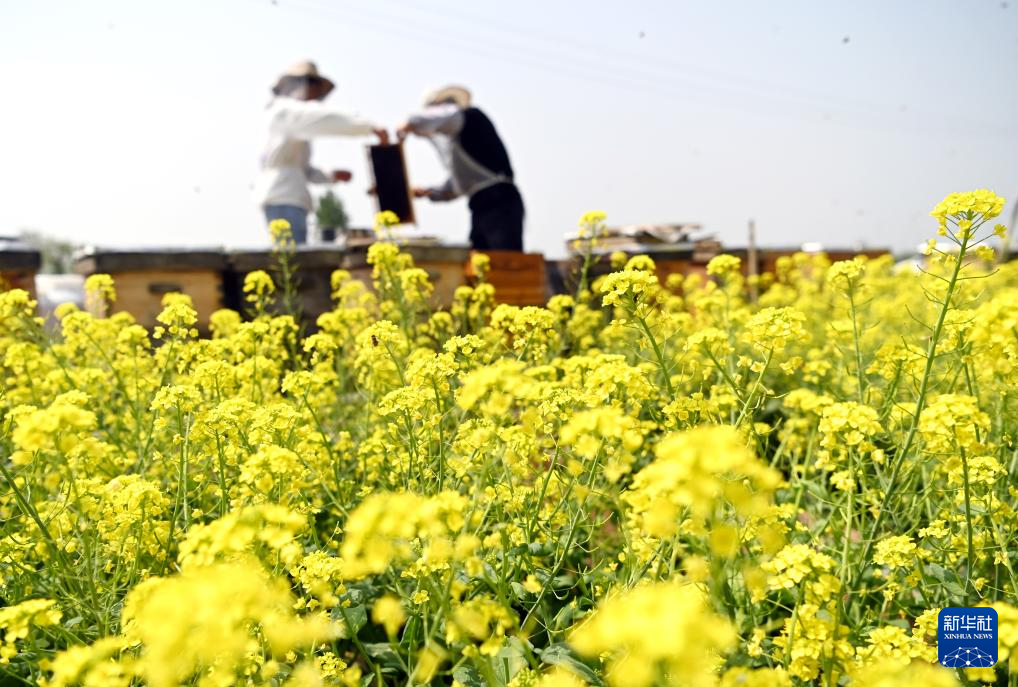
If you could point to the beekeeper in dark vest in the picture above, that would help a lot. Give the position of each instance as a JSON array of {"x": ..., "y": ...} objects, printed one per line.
[{"x": 478, "y": 167}]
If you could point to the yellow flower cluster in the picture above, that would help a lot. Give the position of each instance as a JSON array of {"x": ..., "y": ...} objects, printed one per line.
[
  {"x": 18, "y": 620},
  {"x": 952, "y": 421},
  {"x": 281, "y": 233},
  {"x": 895, "y": 552},
  {"x": 259, "y": 287},
  {"x": 201, "y": 622},
  {"x": 723, "y": 266},
  {"x": 772, "y": 329},
  {"x": 99, "y": 293},
  {"x": 663, "y": 628},
  {"x": 691, "y": 480},
  {"x": 384, "y": 527},
  {"x": 845, "y": 428},
  {"x": 968, "y": 205},
  {"x": 384, "y": 222},
  {"x": 697, "y": 473}
]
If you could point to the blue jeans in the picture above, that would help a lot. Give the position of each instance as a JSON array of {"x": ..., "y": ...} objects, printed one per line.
[{"x": 295, "y": 215}]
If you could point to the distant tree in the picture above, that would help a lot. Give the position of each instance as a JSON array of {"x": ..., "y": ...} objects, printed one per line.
[
  {"x": 330, "y": 212},
  {"x": 57, "y": 254}
]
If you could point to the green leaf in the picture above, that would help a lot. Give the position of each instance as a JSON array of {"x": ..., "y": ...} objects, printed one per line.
[
  {"x": 354, "y": 618},
  {"x": 468, "y": 676},
  {"x": 384, "y": 656},
  {"x": 378, "y": 649},
  {"x": 566, "y": 617},
  {"x": 563, "y": 581},
  {"x": 562, "y": 655},
  {"x": 520, "y": 592},
  {"x": 955, "y": 590},
  {"x": 510, "y": 659},
  {"x": 540, "y": 549}
]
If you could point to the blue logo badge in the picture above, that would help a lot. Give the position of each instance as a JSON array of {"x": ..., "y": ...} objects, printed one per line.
[{"x": 967, "y": 637}]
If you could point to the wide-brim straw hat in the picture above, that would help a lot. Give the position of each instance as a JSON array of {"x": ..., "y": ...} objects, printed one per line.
[
  {"x": 458, "y": 95},
  {"x": 304, "y": 69}
]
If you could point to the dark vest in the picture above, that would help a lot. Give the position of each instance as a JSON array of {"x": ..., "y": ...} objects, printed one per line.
[{"x": 481, "y": 142}]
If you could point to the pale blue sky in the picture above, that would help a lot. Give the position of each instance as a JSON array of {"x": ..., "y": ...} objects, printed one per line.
[{"x": 138, "y": 122}]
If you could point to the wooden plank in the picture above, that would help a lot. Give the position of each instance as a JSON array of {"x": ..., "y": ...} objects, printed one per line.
[
  {"x": 121, "y": 260},
  {"x": 324, "y": 257},
  {"x": 357, "y": 256}
]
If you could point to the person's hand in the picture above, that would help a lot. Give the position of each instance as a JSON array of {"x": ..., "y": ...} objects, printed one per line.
[
  {"x": 373, "y": 190},
  {"x": 341, "y": 175},
  {"x": 421, "y": 192},
  {"x": 383, "y": 136},
  {"x": 403, "y": 130}
]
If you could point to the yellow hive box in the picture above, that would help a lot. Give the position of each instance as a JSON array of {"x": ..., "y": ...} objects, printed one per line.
[{"x": 142, "y": 278}]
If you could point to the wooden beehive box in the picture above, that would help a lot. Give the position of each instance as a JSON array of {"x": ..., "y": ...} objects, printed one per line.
[
  {"x": 443, "y": 263},
  {"x": 668, "y": 260},
  {"x": 518, "y": 278},
  {"x": 681, "y": 261},
  {"x": 18, "y": 267},
  {"x": 767, "y": 259},
  {"x": 313, "y": 267},
  {"x": 570, "y": 269},
  {"x": 143, "y": 276}
]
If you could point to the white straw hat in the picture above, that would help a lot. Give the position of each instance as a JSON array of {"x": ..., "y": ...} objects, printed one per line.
[
  {"x": 458, "y": 95},
  {"x": 304, "y": 69}
]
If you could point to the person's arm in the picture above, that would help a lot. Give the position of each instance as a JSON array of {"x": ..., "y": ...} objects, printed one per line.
[
  {"x": 444, "y": 119},
  {"x": 336, "y": 176},
  {"x": 305, "y": 120},
  {"x": 438, "y": 194},
  {"x": 316, "y": 176}
]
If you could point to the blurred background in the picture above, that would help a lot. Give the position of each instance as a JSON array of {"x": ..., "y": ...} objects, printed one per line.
[{"x": 836, "y": 122}]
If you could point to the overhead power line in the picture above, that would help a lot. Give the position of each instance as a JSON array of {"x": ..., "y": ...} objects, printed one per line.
[{"x": 619, "y": 69}]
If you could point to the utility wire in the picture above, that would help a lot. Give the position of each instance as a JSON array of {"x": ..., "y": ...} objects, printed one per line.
[
  {"x": 611, "y": 72},
  {"x": 612, "y": 52},
  {"x": 747, "y": 95}
]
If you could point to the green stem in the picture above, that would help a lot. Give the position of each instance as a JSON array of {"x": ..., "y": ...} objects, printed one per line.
[
  {"x": 659, "y": 355},
  {"x": 924, "y": 383},
  {"x": 968, "y": 522},
  {"x": 861, "y": 381},
  {"x": 752, "y": 391}
]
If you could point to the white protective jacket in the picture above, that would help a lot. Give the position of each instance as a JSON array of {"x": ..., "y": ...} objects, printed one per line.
[{"x": 286, "y": 167}]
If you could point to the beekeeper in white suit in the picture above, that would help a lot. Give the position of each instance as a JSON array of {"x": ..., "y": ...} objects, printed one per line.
[{"x": 295, "y": 116}]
